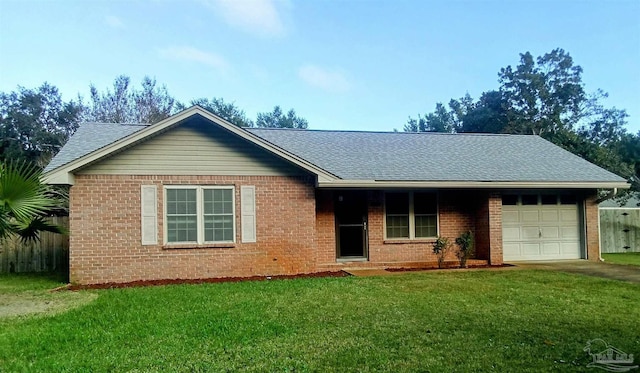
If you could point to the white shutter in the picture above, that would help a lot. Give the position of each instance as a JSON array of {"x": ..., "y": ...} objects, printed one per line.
[
  {"x": 149, "y": 214},
  {"x": 248, "y": 218}
]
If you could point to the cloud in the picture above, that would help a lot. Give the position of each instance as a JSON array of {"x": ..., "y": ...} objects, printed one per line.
[
  {"x": 330, "y": 81},
  {"x": 258, "y": 17},
  {"x": 113, "y": 22},
  {"x": 191, "y": 54}
]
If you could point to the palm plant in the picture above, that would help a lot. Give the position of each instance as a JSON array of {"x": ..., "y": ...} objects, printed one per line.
[
  {"x": 24, "y": 202},
  {"x": 465, "y": 248}
]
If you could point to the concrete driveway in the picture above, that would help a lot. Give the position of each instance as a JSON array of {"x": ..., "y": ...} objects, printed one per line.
[{"x": 605, "y": 270}]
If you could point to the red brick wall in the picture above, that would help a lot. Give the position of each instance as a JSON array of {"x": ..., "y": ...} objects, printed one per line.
[
  {"x": 592, "y": 230},
  {"x": 488, "y": 233},
  {"x": 295, "y": 230},
  {"x": 105, "y": 243},
  {"x": 325, "y": 227}
]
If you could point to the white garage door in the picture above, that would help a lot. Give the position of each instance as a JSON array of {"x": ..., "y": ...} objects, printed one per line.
[{"x": 540, "y": 232}]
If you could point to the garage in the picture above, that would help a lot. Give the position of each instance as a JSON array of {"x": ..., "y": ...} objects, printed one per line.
[{"x": 540, "y": 227}]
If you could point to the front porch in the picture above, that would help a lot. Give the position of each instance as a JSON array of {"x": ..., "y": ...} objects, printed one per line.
[{"x": 374, "y": 229}]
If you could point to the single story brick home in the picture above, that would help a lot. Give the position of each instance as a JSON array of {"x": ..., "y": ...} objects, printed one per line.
[{"x": 194, "y": 196}]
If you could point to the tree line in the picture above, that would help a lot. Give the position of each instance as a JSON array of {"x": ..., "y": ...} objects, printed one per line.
[
  {"x": 542, "y": 96},
  {"x": 36, "y": 123}
]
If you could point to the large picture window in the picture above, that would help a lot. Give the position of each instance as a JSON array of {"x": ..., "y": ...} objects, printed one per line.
[
  {"x": 411, "y": 215},
  {"x": 199, "y": 214}
]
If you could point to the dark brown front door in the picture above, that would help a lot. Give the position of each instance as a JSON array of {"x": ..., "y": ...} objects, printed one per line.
[{"x": 351, "y": 224}]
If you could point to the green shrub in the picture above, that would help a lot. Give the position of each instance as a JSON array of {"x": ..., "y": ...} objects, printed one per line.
[
  {"x": 440, "y": 248},
  {"x": 465, "y": 248}
]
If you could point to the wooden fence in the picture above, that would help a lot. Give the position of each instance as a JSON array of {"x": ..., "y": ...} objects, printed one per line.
[
  {"x": 619, "y": 230},
  {"x": 51, "y": 253}
]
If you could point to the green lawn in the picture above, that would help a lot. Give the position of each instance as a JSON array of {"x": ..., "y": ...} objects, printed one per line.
[
  {"x": 19, "y": 282},
  {"x": 511, "y": 320},
  {"x": 622, "y": 258}
]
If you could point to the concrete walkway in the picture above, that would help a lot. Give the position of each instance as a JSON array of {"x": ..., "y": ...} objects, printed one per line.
[{"x": 620, "y": 272}]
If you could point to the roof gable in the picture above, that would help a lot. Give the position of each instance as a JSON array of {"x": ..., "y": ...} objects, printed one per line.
[
  {"x": 89, "y": 147},
  {"x": 195, "y": 147}
]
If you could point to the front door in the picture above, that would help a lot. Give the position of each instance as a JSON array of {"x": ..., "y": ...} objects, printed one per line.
[{"x": 351, "y": 224}]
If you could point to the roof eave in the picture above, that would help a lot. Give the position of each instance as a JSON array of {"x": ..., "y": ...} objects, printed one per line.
[
  {"x": 475, "y": 184},
  {"x": 58, "y": 178}
]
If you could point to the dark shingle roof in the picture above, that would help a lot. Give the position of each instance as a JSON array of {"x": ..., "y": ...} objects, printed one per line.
[
  {"x": 90, "y": 137},
  {"x": 399, "y": 156},
  {"x": 391, "y": 156}
]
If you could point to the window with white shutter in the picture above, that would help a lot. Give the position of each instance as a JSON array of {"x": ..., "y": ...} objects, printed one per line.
[{"x": 199, "y": 214}]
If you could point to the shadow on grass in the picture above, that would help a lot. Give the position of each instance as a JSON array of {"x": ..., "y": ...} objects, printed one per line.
[{"x": 17, "y": 282}]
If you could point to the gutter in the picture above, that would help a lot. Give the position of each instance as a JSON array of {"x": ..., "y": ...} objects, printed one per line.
[{"x": 378, "y": 184}]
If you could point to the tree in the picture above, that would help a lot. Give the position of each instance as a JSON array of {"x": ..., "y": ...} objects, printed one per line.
[
  {"x": 225, "y": 110},
  {"x": 629, "y": 147},
  {"x": 488, "y": 115},
  {"x": 277, "y": 119},
  {"x": 602, "y": 126},
  {"x": 630, "y": 150},
  {"x": 24, "y": 201},
  {"x": 440, "y": 120},
  {"x": 153, "y": 103},
  {"x": 35, "y": 123},
  {"x": 545, "y": 95},
  {"x": 124, "y": 104}
]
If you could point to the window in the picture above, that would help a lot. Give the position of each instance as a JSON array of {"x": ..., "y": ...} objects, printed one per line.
[
  {"x": 510, "y": 199},
  {"x": 538, "y": 199},
  {"x": 529, "y": 199},
  {"x": 425, "y": 210},
  {"x": 397, "y": 208},
  {"x": 549, "y": 199},
  {"x": 411, "y": 215},
  {"x": 568, "y": 199},
  {"x": 218, "y": 215},
  {"x": 199, "y": 214},
  {"x": 182, "y": 215}
]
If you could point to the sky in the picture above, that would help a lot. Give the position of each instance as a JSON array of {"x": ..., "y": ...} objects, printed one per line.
[{"x": 343, "y": 65}]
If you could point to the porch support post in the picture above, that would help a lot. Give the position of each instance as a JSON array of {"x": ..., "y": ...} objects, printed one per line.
[
  {"x": 495, "y": 229},
  {"x": 592, "y": 230}
]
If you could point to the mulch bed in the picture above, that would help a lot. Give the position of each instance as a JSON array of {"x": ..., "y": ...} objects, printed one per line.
[
  {"x": 115, "y": 285},
  {"x": 412, "y": 269}
]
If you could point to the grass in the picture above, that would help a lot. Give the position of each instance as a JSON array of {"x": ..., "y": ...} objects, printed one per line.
[
  {"x": 512, "y": 320},
  {"x": 19, "y": 282},
  {"x": 23, "y": 295},
  {"x": 622, "y": 258}
]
